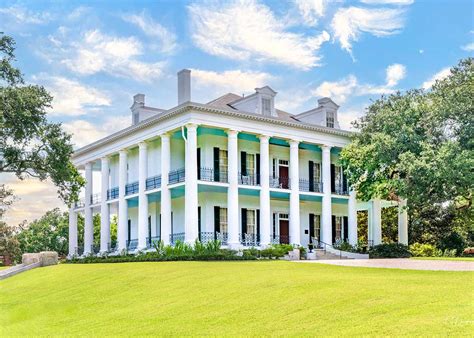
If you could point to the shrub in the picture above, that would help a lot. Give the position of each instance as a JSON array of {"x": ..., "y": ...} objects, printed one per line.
[
  {"x": 390, "y": 250},
  {"x": 453, "y": 241},
  {"x": 344, "y": 246},
  {"x": 424, "y": 250}
]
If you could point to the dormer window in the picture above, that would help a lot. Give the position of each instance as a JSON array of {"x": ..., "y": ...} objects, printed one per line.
[
  {"x": 267, "y": 106},
  {"x": 330, "y": 118}
]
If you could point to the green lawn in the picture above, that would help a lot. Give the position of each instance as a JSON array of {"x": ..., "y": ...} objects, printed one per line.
[
  {"x": 235, "y": 298},
  {"x": 467, "y": 259}
]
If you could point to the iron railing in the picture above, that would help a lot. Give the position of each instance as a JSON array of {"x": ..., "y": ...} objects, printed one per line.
[
  {"x": 280, "y": 239},
  {"x": 339, "y": 189},
  {"x": 249, "y": 239},
  {"x": 279, "y": 182},
  {"x": 132, "y": 244},
  {"x": 179, "y": 236},
  {"x": 113, "y": 193},
  {"x": 152, "y": 240},
  {"x": 211, "y": 175},
  {"x": 249, "y": 179},
  {"x": 177, "y": 176},
  {"x": 205, "y": 237},
  {"x": 131, "y": 188},
  {"x": 223, "y": 237},
  {"x": 307, "y": 185},
  {"x": 95, "y": 198},
  {"x": 153, "y": 182}
]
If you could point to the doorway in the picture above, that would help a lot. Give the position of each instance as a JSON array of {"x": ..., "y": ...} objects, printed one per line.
[
  {"x": 283, "y": 176},
  {"x": 284, "y": 231}
]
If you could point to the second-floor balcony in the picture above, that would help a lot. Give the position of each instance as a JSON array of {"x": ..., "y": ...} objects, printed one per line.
[
  {"x": 339, "y": 189},
  {"x": 310, "y": 186},
  {"x": 249, "y": 179},
  {"x": 113, "y": 193},
  {"x": 153, "y": 182},
  {"x": 211, "y": 175},
  {"x": 279, "y": 182},
  {"x": 177, "y": 176},
  {"x": 95, "y": 198},
  {"x": 131, "y": 188}
]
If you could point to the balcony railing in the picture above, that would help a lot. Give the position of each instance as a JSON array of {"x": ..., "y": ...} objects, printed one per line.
[
  {"x": 95, "y": 198},
  {"x": 205, "y": 237},
  {"x": 132, "y": 244},
  {"x": 176, "y": 237},
  {"x": 280, "y": 239},
  {"x": 80, "y": 203},
  {"x": 151, "y": 241},
  {"x": 339, "y": 190},
  {"x": 177, "y": 176},
  {"x": 112, "y": 193},
  {"x": 249, "y": 239},
  {"x": 279, "y": 182},
  {"x": 249, "y": 179},
  {"x": 131, "y": 188},
  {"x": 153, "y": 182},
  {"x": 306, "y": 185},
  {"x": 211, "y": 175}
]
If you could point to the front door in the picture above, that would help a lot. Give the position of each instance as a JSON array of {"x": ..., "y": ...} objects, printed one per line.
[
  {"x": 284, "y": 232},
  {"x": 283, "y": 173}
]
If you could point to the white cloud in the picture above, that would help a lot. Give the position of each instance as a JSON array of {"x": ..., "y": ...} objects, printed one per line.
[
  {"x": 231, "y": 80},
  {"x": 84, "y": 132},
  {"x": 388, "y": 2},
  {"x": 166, "y": 38},
  {"x": 292, "y": 100},
  {"x": 311, "y": 10},
  {"x": 72, "y": 98},
  {"x": 346, "y": 116},
  {"x": 21, "y": 15},
  {"x": 395, "y": 73},
  {"x": 349, "y": 23},
  {"x": 469, "y": 47},
  {"x": 341, "y": 90},
  {"x": 445, "y": 72},
  {"x": 246, "y": 30}
]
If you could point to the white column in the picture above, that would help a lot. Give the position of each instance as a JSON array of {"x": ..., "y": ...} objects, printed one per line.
[
  {"x": 104, "y": 206},
  {"x": 122, "y": 205},
  {"x": 402, "y": 222},
  {"x": 72, "y": 232},
  {"x": 88, "y": 222},
  {"x": 142, "y": 197},
  {"x": 352, "y": 217},
  {"x": 191, "y": 186},
  {"x": 165, "y": 203},
  {"x": 233, "y": 190},
  {"x": 264, "y": 191},
  {"x": 376, "y": 221},
  {"x": 326, "y": 211},
  {"x": 294, "y": 194}
]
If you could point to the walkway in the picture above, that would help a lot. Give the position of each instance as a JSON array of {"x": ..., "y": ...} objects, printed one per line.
[{"x": 402, "y": 263}]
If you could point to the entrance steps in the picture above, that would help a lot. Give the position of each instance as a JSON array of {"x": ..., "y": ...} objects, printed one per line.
[{"x": 322, "y": 254}]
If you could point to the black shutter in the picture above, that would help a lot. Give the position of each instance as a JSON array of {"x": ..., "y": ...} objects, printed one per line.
[
  {"x": 333, "y": 178},
  {"x": 199, "y": 163},
  {"x": 274, "y": 169},
  {"x": 244, "y": 222},
  {"x": 344, "y": 182},
  {"x": 311, "y": 176},
  {"x": 274, "y": 226},
  {"x": 161, "y": 238},
  {"x": 129, "y": 230},
  {"x": 258, "y": 225},
  {"x": 172, "y": 223},
  {"x": 346, "y": 228},
  {"x": 216, "y": 165},
  {"x": 333, "y": 229},
  {"x": 243, "y": 163},
  {"x": 311, "y": 226},
  {"x": 149, "y": 230},
  {"x": 257, "y": 156},
  {"x": 199, "y": 223},
  {"x": 217, "y": 223}
]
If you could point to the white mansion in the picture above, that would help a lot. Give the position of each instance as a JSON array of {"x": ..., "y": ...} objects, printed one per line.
[{"x": 235, "y": 169}]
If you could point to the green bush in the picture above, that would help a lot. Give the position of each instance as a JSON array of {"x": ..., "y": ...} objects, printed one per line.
[
  {"x": 424, "y": 250},
  {"x": 453, "y": 241},
  {"x": 390, "y": 250},
  {"x": 344, "y": 246}
]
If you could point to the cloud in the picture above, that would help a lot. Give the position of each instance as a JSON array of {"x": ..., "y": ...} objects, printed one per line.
[
  {"x": 395, "y": 73},
  {"x": 349, "y": 23},
  {"x": 96, "y": 52},
  {"x": 84, "y": 132},
  {"x": 340, "y": 90},
  {"x": 388, "y": 2},
  {"x": 347, "y": 115},
  {"x": 311, "y": 10},
  {"x": 153, "y": 29},
  {"x": 246, "y": 30},
  {"x": 72, "y": 98},
  {"x": 445, "y": 72},
  {"x": 469, "y": 47},
  {"x": 231, "y": 80},
  {"x": 22, "y": 15}
]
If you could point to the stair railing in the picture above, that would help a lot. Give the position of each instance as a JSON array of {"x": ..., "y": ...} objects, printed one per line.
[{"x": 317, "y": 243}]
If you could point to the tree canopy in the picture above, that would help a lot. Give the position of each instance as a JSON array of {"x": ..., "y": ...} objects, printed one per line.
[{"x": 29, "y": 144}]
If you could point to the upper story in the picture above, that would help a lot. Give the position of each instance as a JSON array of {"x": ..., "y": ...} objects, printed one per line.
[{"x": 251, "y": 116}]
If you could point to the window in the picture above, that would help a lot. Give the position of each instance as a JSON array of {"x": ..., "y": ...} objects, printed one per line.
[
  {"x": 316, "y": 172},
  {"x": 222, "y": 161},
  {"x": 267, "y": 107},
  {"x": 339, "y": 232},
  {"x": 330, "y": 119},
  {"x": 338, "y": 178},
  {"x": 223, "y": 220},
  {"x": 317, "y": 227},
  {"x": 250, "y": 164},
  {"x": 251, "y": 224}
]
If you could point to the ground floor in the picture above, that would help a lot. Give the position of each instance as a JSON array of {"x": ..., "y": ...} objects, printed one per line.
[{"x": 260, "y": 298}]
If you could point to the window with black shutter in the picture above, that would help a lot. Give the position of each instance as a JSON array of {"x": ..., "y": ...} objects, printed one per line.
[
  {"x": 333, "y": 178},
  {"x": 344, "y": 182},
  {"x": 258, "y": 225},
  {"x": 311, "y": 176},
  {"x": 258, "y": 168},
  {"x": 149, "y": 230},
  {"x": 243, "y": 163},
  {"x": 217, "y": 221},
  {"x": 244, "y": 223},
  {"x": 199, "y": 222},
  {"x": 346, "y": 228},
  {"x": 333, "y": 229},
  {"x": 199, "y": 163},
  {"x": 129, "y": 230},
  {"x": 216, "y": 165},
  {"x": 311, "y": 228}
]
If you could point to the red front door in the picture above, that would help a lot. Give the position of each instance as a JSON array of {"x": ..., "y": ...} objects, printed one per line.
[
  {"x": 284, "y": 232},
  {"x": 283, "y": 173}
]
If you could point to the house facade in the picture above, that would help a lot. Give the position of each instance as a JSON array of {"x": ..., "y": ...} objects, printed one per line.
[{"x": 235, "y": 169}]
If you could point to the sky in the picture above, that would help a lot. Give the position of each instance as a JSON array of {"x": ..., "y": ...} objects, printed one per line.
[{"x": 93, "y": 56}]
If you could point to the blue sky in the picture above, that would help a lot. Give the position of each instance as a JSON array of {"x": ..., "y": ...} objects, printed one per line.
[{"x": 95, "y": 55}]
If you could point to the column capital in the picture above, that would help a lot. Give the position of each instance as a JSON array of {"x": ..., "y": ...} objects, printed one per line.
[
  {"x": 192, "y": 125},
  {"x": 142, "y": 144},
  {"x": 104, "y": 159},
  {"x": 233, "y": 132},
  {"x": 294, "y": 142},
  {"x": 325, "y": 147},
  {"x": 123, "y": 152},
  {"x": 88, "y": 166},
  {"x": 165, "y": 136},
  {"x": 264, "y": 137}
]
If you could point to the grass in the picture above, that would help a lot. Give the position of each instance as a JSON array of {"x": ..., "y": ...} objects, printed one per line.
[
  {"x": 467, "y": 259},
  {"x": 235, "y": 298}
]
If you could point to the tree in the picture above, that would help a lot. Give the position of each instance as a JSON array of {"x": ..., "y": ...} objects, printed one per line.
[
  {"x": 419, "y": 146},
  {"x": 30, "y": 145},
  {"x": 9, "y": 245}
]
